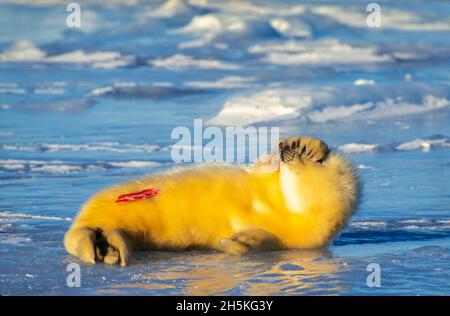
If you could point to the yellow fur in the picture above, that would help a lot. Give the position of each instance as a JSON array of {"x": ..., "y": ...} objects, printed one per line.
[{"x": 203, "y": 206}]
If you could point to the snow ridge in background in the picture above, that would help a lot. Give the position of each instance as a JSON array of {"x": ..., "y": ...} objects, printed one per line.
[
  {"x": 172, "y": 9},
  {"x": 327, "y": 104},
  {"x": 261, "y": 106},
  {"x": 25, "y": 51},
  {"x": 318, "y": 52},
  {"x": 425, "y": 145},
  {"x": 25, "y": 166},
  {"x": 419, "y": 224},
  {"x": 180, "y": 61},
  {"x": 96, "y": 146},
  {"x": 392, "y": 19}
]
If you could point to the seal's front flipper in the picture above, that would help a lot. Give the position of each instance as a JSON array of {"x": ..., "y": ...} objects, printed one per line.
[
  {"x": 304, "y": 148},
  {"x": 250, "y": 240}
]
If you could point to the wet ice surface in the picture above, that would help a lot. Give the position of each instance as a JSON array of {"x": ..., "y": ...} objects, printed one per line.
[{"x": 81, "y": 110}]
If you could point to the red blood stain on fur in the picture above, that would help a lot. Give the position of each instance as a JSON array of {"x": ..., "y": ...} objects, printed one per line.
[{"x": 130, "y": 197}]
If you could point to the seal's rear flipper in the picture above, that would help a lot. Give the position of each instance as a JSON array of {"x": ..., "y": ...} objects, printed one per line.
[
  {"x": 80, "y": 242},
  {"x": 91, "y": 245}
]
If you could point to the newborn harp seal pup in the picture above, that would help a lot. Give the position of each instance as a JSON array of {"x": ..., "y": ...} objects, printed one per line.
[{"x": 302, "y": 203}]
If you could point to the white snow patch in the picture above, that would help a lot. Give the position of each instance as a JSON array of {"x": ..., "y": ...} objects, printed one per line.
[
  {"x": 170, "y": 9},
  {"x": 365, "y": 167},
  {"x": 25, "y": 51},
  {"x": 423, "y": 144},
  {"x": 56, "y": 168},
  {"x": 98, "y": 59},
  {"x": 358, "y": 148},
  {"x": 101, "y": 91},
  {"x": 337, "y": 112},
  {"x": 15, "y": 216},
  {"x": 361, "y": 82},
  {"x": 22, "y": 51},
  {"x": 261, "y": 106},
  {"x": 12, "y": 91},
  {"x": 230, "y": 82},
  {"x": 101, "y": 146},
  {"x": 180, "y": 61},
  {"x": 320, "y": 52},
  {"x": 391, "y": 19},
  {"x": 382, "y": 109},
  {"x": 290, "y": 28},
  {"x": 369, "y": 224},
  {"x": 135, "y": 164},
  {"x": 14, "y": 240}
]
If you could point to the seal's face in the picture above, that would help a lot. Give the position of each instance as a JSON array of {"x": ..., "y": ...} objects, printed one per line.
[{"x": 302, "y": 149}]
